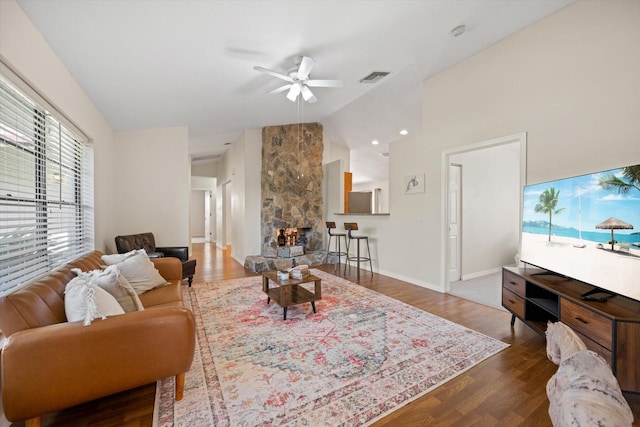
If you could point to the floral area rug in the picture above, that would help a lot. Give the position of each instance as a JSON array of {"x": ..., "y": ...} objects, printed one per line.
[{"x": 361, "y": 356}]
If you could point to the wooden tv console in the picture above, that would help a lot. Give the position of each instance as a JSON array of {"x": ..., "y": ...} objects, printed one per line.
[{"x": 611, "y": 328}]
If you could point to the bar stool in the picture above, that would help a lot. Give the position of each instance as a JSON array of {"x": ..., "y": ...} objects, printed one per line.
[
  {"x": 338, "y": 249},
  {"x": 358, "y": 258}
]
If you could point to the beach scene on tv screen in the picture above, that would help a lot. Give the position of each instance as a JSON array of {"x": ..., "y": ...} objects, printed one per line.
[{"x": 587, "y": 228}]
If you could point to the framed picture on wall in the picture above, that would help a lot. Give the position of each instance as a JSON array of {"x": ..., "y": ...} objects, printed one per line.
[{"x": 414, "y": 183}]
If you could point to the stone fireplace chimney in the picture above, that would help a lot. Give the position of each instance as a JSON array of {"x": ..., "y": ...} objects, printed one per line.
[{"x": 291, "y": 183}]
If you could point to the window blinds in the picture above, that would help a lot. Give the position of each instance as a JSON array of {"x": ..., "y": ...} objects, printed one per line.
[{"x": 46, "y": 190}]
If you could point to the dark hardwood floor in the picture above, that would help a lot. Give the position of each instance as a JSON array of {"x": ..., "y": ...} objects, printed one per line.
[{"x": 508, "y": 389}]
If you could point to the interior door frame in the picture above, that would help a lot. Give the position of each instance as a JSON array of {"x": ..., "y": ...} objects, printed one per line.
[
  {"x": 458, "y": 248},
  {"x": 520, "y": 138}
]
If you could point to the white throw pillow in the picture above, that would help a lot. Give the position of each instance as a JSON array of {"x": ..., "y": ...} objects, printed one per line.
[
  {"x": 86, "y": 301},
  {"x": 116, "y": 258},
  {"x": 119, "y": 287},
  {"x": 137, "y": 269}
]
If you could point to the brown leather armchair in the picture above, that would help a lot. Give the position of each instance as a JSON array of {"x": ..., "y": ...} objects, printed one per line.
[{"x": 147, "y": 242}]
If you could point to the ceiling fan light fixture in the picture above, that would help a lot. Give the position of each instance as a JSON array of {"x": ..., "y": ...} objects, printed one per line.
[
  {"x": 294, "y": 91},
  {"x": 308, "y": 95},
  {"x": 299, "y": 80}
]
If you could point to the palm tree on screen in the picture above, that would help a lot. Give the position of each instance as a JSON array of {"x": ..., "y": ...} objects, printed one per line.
[
  {"x": 548, "y": 201},
  {"x": 612, "y": 183}
]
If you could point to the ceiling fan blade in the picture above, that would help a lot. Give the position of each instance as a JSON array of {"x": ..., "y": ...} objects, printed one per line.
[
  {"x": 278, "y": 90},
  {"x": 293, "y": 92},
  {"x": 308, "y": 95},
  {"x": 305, "y": 67},
  {"x": 324, "y": 83},
  {"x": 274, "y": 74}
]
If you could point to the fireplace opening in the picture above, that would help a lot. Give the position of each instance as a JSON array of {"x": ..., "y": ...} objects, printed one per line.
[{"x": 293, "y": 236}]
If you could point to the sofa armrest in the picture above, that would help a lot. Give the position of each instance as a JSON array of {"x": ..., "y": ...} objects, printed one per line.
[
  {"x": 180, "y": 252},
  {"x": 169, "y": 267},
  {"x": 58, "y": 366}
]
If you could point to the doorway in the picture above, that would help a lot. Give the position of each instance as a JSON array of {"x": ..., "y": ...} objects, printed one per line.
[
  {"x": 203, "y": 209},
  {"x": 483, "y": 191}
]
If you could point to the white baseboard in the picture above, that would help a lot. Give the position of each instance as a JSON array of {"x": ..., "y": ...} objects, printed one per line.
[{"x": 412, "y": 280}]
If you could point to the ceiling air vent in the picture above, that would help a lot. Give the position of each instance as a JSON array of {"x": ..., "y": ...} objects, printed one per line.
[{"x": 374, "y": 77}]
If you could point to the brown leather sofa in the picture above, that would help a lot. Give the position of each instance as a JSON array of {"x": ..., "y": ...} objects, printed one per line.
[
  {"x": 49, "y": 364},
  {"x": 147, "y": 242}
]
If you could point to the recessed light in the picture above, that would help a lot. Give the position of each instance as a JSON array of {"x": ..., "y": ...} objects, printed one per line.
[
  {"x": 375, "y": 142},
  {"x": 404, "y": 132}
]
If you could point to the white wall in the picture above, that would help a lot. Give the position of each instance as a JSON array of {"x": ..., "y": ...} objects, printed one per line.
[
  {"x": 570, "y": 81},
  {"x": 202, "y": 182},
  {"x": 153, "y": 184},
  {"x": 333, "y": 151},
  {"x": 24, "y": 50},
  {"x": 239, "y": 171},
  {"x": 197, "y": 213},
  {"x": 252, "y": 193},
  {"x": 202, "y": 168},
  {"x": 201, "y": 187}
]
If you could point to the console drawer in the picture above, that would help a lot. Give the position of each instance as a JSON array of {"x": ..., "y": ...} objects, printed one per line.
[
  {"x": 594, "y": 326},
  {"x": 513, "y": 302},
  {"x": 593, "y": 346},
  {"x": 515, "y": 284}
]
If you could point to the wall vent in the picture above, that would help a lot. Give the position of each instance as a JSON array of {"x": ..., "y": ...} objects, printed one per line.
[{"x": 374, "y": 77}]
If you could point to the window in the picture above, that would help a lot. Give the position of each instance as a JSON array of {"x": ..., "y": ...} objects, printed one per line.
[{"x": 46, "y": 189}]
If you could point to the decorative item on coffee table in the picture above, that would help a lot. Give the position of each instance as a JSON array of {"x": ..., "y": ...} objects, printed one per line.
[{"x": 299, "y": 272}]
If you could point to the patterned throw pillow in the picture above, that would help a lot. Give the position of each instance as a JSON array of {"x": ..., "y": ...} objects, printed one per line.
[{"x": 86, "y": 301}]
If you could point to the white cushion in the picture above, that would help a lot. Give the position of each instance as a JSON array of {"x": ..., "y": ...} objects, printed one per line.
[
  {"x": 116, "y": 258},
  {"x": 86, "y": 301},
  {"x": 119, "y": 287},
  {"x": 137, "y": 269}
]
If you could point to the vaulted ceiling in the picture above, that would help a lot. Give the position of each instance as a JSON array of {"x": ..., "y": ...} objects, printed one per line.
[{"x": 159, "y": 63}]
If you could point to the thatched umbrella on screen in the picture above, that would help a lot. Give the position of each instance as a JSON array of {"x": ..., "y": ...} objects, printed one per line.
[{"x": 614, "y": 224}]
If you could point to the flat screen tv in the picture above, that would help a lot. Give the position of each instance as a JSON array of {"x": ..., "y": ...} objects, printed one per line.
[{"x": 586, "y": 228}]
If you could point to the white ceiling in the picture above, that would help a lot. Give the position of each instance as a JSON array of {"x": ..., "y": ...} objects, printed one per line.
[{"x": 152, "y": 63}]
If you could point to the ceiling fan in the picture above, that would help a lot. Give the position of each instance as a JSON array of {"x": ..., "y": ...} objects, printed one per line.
[{"x": 298, "y": 81}]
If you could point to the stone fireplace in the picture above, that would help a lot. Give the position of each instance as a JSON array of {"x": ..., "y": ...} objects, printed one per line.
[{"x": 291, "y": 184}]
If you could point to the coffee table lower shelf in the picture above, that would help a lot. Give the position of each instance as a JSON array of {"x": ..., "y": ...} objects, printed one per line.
[{"x": 288, "y": 293}]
